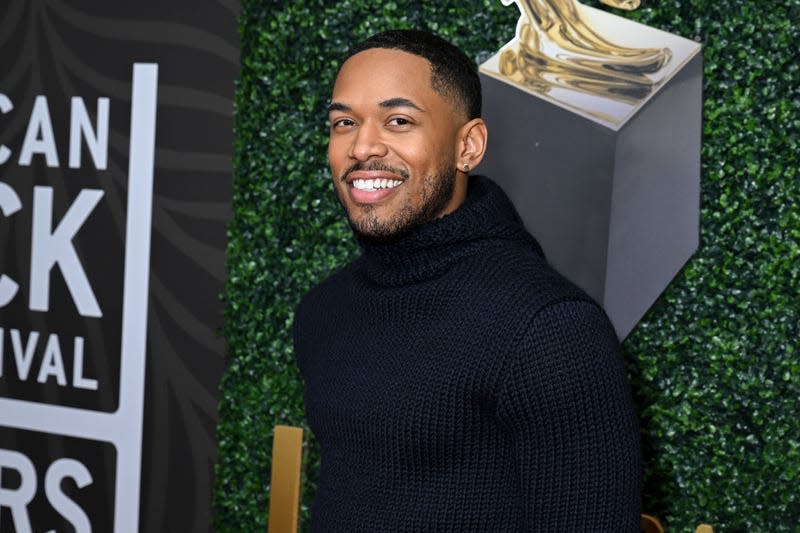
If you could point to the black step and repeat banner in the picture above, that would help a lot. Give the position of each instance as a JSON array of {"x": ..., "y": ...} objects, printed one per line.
[{"x": 115, "y": 178}]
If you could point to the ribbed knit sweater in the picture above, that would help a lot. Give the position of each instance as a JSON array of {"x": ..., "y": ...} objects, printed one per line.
[{"x": 456, "y": 383}]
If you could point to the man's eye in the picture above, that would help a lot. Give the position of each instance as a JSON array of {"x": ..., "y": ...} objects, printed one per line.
[
  {"x": 343, "y": 122},
  {"x": 399, "y": 121}
]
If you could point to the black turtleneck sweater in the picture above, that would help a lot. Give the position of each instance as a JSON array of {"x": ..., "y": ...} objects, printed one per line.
[{"x": 456, "y": 383}]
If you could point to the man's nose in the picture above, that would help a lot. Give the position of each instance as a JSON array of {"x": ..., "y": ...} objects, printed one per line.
[{"x": 367, "y": 142}]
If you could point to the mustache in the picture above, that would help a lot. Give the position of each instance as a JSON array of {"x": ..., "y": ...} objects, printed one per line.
[{"x": 375, "y": 166}]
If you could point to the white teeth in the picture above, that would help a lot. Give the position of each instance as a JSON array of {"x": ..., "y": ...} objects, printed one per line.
[{"x": 371, "y": 185}]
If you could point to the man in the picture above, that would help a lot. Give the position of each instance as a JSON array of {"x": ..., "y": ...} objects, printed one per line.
[{"x": 453, "y": 380}]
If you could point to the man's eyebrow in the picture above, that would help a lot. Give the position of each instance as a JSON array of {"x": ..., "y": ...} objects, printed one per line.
[
  {"x": 337, "y": 106},
  {"x": 399, "y": 102},
  {"x": 391, "y": 102}
]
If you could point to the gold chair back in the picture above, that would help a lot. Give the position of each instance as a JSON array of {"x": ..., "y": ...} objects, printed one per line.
[
  {"x": 284, "y": 498},
  {"x": 650, "y": 524}
]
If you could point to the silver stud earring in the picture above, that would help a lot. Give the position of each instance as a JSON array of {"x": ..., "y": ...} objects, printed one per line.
[{"x": 466, "y": 167}]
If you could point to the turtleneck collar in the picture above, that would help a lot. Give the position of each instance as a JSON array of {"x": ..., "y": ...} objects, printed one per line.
[{"x": 427, "y": 251}]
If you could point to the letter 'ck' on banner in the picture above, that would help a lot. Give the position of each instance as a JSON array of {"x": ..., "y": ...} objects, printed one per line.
[{"x": 114, "y": 196}]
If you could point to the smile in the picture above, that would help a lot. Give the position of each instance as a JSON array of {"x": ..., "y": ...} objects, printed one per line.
[{"x": 376, "y": 184}]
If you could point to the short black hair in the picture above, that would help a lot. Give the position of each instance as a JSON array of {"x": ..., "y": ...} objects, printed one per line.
[{"x": 453, "y": 74}]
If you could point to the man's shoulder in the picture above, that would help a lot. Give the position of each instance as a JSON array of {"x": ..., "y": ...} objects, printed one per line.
[
  {"x": 523, "y": 272},
  {"x": 330, "y": 288}
]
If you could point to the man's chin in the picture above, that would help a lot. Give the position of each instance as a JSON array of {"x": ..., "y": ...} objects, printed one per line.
[
  {"x": 381, "y": 224},
  {"x": 371, "y": 233}
]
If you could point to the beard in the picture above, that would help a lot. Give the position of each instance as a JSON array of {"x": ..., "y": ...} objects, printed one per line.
[{"x": 436, "y": 191}]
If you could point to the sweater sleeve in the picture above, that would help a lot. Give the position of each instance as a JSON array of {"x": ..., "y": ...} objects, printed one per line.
[{"x": 567, "y": 405}]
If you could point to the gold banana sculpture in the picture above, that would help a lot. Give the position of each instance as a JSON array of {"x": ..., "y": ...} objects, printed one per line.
[{"x": 557, "y": 48}]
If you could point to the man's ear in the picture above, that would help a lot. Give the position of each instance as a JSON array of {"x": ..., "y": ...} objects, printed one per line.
[{"x": 472, "y": 138}]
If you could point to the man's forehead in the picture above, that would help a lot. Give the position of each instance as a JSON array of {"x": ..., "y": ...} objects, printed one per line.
[{"x": 381, "y": 69}]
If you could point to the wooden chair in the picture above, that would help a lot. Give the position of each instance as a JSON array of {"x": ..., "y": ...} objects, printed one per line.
[
  {"x": 284, "y": 497},
  {"x": 650, "y": 524}
]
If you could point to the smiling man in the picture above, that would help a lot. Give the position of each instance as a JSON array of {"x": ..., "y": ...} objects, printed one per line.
[
  {"x": 454, "y": 381},
  {"x": 379, "y": 141}
]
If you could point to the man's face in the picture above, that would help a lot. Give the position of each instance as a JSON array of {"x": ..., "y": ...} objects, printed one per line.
[{"x": 393, "y": 144}]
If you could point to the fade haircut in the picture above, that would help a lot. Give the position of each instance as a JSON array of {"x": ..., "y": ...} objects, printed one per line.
[{"x": 453, "y": 75}]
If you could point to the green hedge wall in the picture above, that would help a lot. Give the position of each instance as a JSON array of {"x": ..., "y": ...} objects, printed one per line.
[{"x": 715, "y": 363}]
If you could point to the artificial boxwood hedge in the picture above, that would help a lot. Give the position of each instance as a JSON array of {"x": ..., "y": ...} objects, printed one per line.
[{"x": 715, "y": 364}]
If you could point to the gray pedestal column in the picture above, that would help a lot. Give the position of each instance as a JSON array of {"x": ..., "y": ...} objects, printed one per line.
[{"x": 615, "y": 205}]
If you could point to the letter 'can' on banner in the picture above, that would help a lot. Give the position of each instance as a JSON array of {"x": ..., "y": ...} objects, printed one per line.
[{"x": 74, "y": 312}]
